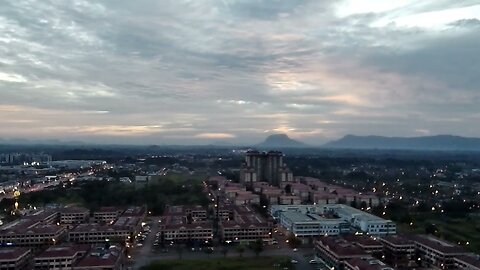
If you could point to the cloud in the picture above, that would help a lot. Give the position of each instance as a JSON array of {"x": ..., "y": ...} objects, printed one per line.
[{"x": 179, "y": 71}]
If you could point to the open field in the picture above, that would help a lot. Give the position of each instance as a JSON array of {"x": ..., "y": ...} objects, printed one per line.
[
  {"x": 456, "y": 230},
  {"x": 261, "y": 263}
]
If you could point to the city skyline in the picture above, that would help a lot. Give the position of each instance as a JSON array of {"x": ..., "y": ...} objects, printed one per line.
[{"x": 197, "y": 72}]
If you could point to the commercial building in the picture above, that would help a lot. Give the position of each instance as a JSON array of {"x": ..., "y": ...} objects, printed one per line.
[{"x": 14, "y": 258}]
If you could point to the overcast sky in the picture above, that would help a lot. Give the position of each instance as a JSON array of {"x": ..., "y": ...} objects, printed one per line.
[{"x": 201, "y": 71}]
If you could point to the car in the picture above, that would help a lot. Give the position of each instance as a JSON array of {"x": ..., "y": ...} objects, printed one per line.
[
  {"x": 313, "y": 262},
  {"x": 139, "y": 245},
  {"x": 294, "y": 261},
  {"x": 295, "y": 250}
]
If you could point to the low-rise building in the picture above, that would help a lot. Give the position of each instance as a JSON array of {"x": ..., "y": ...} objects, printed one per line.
[
  {"x": 246, "y": 226},
  {"x": 399, "y": 251},
  {"x": 73, "y": 215},
  {"x": 14, "y": 258},
  {"x": 435, "y": 252},
  {"x": 363, "y": 221},
  {"x": 102, "y": 258},
  {"x": 366, "y": 264},
  {"x": 27, "y": 232},
  {"x": 371, "y": 245},
  {"x": 468, "y": 262},
  {"x": 334, "y": 251},
  {"x": 107, "y": 214},
  {"x": 96, "y": 233},
  {"x": 290, "y": 200},
  {"x": 60, "y": 257},
  {"x": 310, "y": 225}
]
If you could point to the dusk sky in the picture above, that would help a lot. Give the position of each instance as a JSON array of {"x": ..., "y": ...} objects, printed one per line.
[{"x": 202, "y": 71}]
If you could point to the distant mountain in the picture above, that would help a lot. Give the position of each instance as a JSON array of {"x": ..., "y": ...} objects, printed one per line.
[
  {"x": 22, "y": 141},
  {"x": 281, "y": 141},
  {"x": 439, "y": 142}
]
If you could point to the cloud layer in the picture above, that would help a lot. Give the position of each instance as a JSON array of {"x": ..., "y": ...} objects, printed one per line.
[{"x": 235, "y": 70}]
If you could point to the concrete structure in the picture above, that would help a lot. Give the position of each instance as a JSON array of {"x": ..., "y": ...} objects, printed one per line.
[
  {"x": 73, "y": 215},
  {"x": 334, "y": 251},
  {"x": 468, "y": 262},
  {"x": 14, "y": 258},
  {"x": 399, "y": 251},
  {"x": 107, "y": 214},
  {"x": 309, "y": 225},
  {"x": 185, "y": 224},
  {"x": 365, "y": 264},
  {"x": 60, "y": 257},
  {"x": 363, "y": 221},
  {"x": 265, "y": 167},
  {"x": 434, "y": 252},
  {"x": 96, "y": 233},
  {"x": 27, "y": 232},
  {"x": 246, "y": 226},
  {"x": 102, "y": 258}
]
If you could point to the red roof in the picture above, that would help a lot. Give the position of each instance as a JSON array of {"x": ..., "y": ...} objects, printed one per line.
[
  {"x": 63, "y": 251},
  {"x": 367, "y": 264},
  {"x": 13, "y": 254},
  {"x": 341, "y": 247}
]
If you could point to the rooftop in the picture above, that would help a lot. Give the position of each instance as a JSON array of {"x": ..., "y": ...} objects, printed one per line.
[{"x": 15, "y": 253}]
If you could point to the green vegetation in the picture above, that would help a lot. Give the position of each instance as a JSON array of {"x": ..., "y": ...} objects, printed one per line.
[
  {"x": 260, "y": 263},
  {"x": 165, "y": 190},
  {"x": 456, "y": 230},
  {"x": 456, "y": 223}
]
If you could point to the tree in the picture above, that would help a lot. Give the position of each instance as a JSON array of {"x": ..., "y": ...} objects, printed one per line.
[
  {"x": 240, "y": 249},
  {"x": 257, "y": 247},
  {"x": 224, "y": 251},
  {"x": 179, "y": 249},
  {"x": 293, "y": 241}
]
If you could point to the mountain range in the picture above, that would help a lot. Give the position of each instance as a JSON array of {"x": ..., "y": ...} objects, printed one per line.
[{"x": 438, "y": 142}]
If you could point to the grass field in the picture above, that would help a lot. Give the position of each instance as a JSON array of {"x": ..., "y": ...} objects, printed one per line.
[
  {"x": 456, "y": 230},
  {"x": 261, "y": 263}
]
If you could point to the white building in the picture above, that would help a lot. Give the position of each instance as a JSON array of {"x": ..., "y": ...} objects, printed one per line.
[
  {"x": 363, "y": 221},
  {"x": 304, "y": 225}
]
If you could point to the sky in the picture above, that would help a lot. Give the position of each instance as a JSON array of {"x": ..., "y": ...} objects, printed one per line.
[{"x": 211, "y": 71}]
